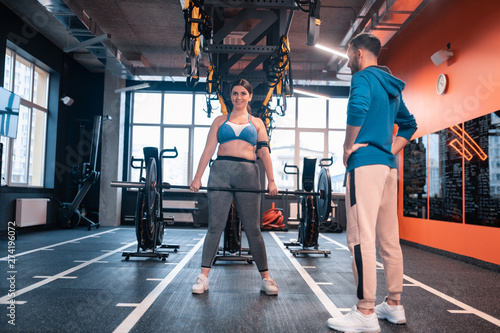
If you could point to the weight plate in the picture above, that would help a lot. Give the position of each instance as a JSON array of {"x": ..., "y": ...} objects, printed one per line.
[
  {"x": 311, "y": 228},
  {"x": 151, "y": 205},
  {"x": 324, "y": 201},
  {"x": 232, "y": 231},
  {"x": 139, "y": 216},
  {"x": 302, "y": 222}
]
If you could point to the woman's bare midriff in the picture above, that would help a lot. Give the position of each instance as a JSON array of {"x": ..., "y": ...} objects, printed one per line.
[{"x": 237, "y": 148}]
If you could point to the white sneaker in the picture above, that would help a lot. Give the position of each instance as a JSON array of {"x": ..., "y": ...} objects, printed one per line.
[
  {"x": 393, "y": 313},
  {"x": 269, "y": 286},
  {"x": 355, "y": 321},
  {"x": 201, "y": 284}
]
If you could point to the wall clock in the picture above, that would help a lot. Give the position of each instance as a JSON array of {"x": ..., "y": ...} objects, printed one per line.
[{"x": 442, "y": 84}]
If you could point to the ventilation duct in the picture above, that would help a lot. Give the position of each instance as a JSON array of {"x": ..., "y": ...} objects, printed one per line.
[{"x": 93, "y": 44}]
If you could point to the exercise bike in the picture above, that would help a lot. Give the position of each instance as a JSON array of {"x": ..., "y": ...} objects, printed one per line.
[
  {"x": 313, "y": 212},
  {"x": 149, "y": 221}
]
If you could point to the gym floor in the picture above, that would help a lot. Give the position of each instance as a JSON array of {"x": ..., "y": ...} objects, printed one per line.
[{"x": 77, "y": 281}]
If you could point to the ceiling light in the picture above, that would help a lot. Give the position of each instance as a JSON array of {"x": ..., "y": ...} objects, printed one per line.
[
  {"x": 131, "y": 88},
  {"x": 309, "y": 93},
  {"x": 327, "y": 49}
]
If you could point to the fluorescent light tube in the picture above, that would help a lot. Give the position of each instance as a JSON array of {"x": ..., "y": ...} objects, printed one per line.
[{"x": 327, "y": 49}]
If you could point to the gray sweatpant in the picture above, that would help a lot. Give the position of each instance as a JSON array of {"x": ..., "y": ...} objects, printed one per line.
[{"x": 234, "y": 174}]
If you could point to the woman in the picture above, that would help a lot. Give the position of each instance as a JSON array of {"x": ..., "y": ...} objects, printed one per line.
[{"x": 240, "y": 138}]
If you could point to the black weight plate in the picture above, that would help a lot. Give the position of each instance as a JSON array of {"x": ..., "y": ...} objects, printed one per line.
[
  {"x": 139, "y": 216},
  {"x": 302, "y": 223},
  {"x": 311, "y": 225},
  {"x": 324, "y": 203},
  {"x": 151, "y": 203},
  {"x": 232, "y": 231},
  {"x": 160, "y": 227}
]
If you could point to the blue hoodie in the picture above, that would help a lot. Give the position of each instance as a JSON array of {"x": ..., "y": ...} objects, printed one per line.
[{"x": 375, "y": 105}]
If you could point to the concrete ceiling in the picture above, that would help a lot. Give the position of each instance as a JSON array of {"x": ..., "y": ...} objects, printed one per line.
[{"x": 140, "y": 39}]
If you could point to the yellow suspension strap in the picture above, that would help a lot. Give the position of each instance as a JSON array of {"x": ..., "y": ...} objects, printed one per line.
[
  {"x": 197, "y": 23},
  {"x": 278, "y": 64},
  {"x": 213, "y": 86},
  {"x": 284, "y": 64},
  {"x": 194, "y": 19}
]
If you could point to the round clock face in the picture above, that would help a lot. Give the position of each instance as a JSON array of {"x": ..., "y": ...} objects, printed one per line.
[{"x": 442, "y": 84}]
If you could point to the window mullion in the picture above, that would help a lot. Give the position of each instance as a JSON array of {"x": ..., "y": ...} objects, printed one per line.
[
  {"x": 28, "y": 153},
  {"x": 30, "y": 126}
]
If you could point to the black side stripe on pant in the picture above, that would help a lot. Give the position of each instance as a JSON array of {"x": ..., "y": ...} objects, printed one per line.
[
  {"x": 359, "y": 267},
  {"x": 352, "y": 188}
]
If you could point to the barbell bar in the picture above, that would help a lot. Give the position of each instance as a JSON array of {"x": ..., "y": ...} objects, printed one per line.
[{"x": 168, "y": 186}]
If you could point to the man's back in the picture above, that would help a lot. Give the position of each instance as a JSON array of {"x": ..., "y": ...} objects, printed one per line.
[{"x": 375, "y": 105}]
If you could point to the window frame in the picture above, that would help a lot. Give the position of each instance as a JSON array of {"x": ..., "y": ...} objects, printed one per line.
[{"x": 32, "y": 109}]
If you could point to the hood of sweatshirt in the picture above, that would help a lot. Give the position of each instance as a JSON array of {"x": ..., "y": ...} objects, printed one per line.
[{"x": 390, "y": 83}]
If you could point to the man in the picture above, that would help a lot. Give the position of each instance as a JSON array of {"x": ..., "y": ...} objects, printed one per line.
[{"x": 375, "y": 105}]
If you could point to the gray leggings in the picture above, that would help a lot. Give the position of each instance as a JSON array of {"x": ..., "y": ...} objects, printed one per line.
[{"x": 234, "y": 174}]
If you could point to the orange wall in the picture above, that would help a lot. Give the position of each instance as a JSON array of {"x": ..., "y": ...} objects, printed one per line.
[{"x": 473, "y": 29}]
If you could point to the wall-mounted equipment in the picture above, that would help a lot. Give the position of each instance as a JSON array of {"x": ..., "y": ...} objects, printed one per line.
[
  {"x": 442, "y": 55},
  {"x": 68, "y": 101}
]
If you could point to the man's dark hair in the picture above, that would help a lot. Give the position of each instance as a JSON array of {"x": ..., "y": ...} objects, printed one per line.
[{"x": 367, "y": 42}]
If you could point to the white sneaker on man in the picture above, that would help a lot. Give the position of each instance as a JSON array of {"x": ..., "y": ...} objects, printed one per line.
[
  {"x": 269, "y": 286},
  {"x": 393, "y": 313},
  {"x": 355, "y": 321},
  {"x": 201, "y": 284}
]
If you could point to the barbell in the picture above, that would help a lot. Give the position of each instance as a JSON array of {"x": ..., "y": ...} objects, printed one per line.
[
  {"x": 323, "y": 193},
  {"x": 168, "y": 186}
]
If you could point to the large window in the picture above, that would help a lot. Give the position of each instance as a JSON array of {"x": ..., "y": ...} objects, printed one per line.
[
  {"x": 165, "y": 121},
  {"x": 23, "y": 162},
  {"x": 312, "y": 127}
]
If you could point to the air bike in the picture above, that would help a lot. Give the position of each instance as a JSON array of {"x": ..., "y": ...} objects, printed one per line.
[
  {"x": 149, "y": 221},
  {"x": 313, "y": 211}
]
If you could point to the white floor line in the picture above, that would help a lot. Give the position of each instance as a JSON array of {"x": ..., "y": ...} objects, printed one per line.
[
  {"x": 340, "y": 246},
  {"x": 464, "y": 306},
  {"x": 415, "y": 283},
  {"x": 327, "y": 303},
  {"x": 459, "y": 311},
  {"x": 345, "y": 309},
  {"x": 48, "y": 277},
  {"x": 62, "y": 275},
  {"x": 58, "y": 244},
  {"x": 131, "y": 305},
  {"x": 139, "y": 311}
]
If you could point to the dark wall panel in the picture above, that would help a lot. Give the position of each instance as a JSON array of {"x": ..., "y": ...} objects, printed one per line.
[{"x": 69, "y": 128}]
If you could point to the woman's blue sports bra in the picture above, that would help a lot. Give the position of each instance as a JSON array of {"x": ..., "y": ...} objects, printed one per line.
[{"x": 229, "y": 131}]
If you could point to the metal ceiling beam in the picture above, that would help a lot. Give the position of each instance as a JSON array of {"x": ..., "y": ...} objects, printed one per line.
[
  {"x": 270, "y": 4},
  {"x": 88, "y": 42}
]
